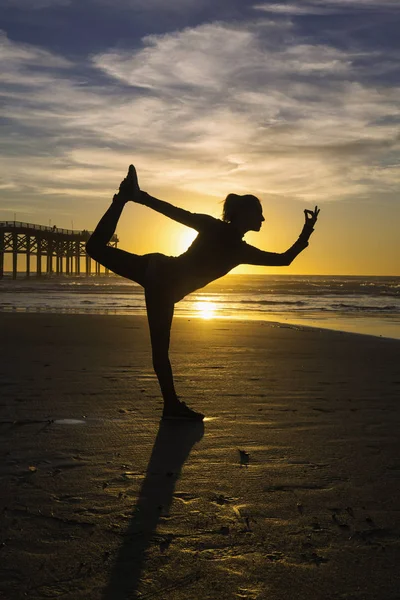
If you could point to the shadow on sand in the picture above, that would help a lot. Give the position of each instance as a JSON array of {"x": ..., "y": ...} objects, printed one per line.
[{"x": 171, "y": 449}]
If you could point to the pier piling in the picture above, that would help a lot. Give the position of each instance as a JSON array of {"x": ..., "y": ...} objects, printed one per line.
[{"x": 27, "y": 239}]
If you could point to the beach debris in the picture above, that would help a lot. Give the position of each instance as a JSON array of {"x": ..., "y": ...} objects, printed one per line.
[
  {"x": 221, "y": 499},
  {"x": 129, "y": 475},
  {"x": 338, "y": 522},
  {"x": 244, "y": 457},
  {"x": 69, "y": 422},
  {"x": 242, "y": 517},
  {"x": 274, "y": 556},
  {"x": 237, "y": 511},
  {"x": 315, "y": 558},
  {"x": 224, "y": 530},
  {"x": 369, "y": 520},
  {"x": 32, "y": 469},
  {"x": 248, "y": 593},
  {"x": 165, "y": 543},
  {"x": 68, "y": 498}
]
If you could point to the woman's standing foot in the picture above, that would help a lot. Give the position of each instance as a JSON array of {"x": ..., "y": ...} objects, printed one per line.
[{"x": 180, "y": 411}]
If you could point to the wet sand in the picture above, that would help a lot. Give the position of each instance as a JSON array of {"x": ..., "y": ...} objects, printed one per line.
[{"x": 100, "y": 502}]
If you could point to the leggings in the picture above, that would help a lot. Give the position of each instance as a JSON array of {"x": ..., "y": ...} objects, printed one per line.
[{"x": 159, "y": 298}]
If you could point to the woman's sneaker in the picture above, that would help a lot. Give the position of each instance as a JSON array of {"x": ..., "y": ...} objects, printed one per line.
[{"x": 181, "y": 411}]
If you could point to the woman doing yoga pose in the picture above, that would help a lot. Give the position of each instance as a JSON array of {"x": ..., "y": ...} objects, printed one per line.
[{"x": 217, "y": 249}]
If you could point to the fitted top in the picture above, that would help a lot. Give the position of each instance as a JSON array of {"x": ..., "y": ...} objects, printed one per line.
[{"x": 216, "y": 250}]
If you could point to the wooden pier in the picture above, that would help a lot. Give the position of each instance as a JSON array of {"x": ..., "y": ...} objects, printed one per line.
[{"x": 59, "y": 251}]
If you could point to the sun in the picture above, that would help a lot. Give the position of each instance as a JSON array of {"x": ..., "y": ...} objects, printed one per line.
[
  {"x": 205, "y": 309},
  {"x": 185, "y": 239}
]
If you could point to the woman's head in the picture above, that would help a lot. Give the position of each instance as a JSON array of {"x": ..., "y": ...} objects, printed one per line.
[{"x": 245, "y": 212}]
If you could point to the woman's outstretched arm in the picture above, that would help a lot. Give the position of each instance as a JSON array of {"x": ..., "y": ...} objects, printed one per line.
[
  {"x": 129, "y": 190},
  {"x": 254, "y": 256},
  {"x": 193, "y": 220}
]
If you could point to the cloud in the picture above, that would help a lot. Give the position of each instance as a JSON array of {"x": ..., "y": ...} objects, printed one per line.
[
  {"x": 212, "y": 57},
  {"x": 15, "y": 56},
  {"x": 291, "y": 9},
  {"x": 263, "y": 113},
  {"x": 173, "y": 6},
  {"x": 357, "y": 4},
  {"x": 33, "y": 4},
  {"x": 326, "y": 7},
  {"x": 155, "y": 5},
  {"x": 208, "y": 109}
]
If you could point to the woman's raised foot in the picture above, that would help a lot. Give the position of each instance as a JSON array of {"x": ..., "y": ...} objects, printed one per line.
[{"x": 129, "y": 188}]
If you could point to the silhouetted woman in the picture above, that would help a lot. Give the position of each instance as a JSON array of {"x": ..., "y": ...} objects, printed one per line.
[{"x": 217, "y": 249}]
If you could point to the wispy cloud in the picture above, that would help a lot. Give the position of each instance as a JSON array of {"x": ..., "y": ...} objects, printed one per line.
[
  {"x": 326, "y": 7},
  {"x": 172, "y": 6},
  {"x": 291, "y": 9},
  {"x": 209, "y": 109},
  {"x": 33, "y": 4},
  {"x": 361, "y": 3},
  {"x": 268, "y": 113},
  {"x": 211, "y": 57},
  {"x": 17, "y": 56}
]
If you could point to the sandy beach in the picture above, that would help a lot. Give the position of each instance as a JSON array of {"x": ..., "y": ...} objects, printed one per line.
[{"x": 99, "y": 501}]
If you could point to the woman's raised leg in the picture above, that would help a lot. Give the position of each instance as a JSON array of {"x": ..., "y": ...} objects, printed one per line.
[{"x": 119, "y": 261}]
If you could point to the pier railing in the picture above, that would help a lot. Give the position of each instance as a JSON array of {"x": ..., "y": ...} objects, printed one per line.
[
  {"x": 34, "y": 227},
  {"x": 46, "y": 242}
]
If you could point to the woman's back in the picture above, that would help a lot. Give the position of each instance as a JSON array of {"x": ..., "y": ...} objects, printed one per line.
[{"x": 216, "y": 250}]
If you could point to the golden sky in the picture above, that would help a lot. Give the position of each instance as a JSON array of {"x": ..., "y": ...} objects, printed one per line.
[{"x": 274, "y": 99}]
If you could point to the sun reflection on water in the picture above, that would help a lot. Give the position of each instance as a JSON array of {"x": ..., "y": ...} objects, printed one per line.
[{"x": 206, "y": 309}]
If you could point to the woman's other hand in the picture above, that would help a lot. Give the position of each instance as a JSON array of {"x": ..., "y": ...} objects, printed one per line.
[{"x": 311, "y": 216}]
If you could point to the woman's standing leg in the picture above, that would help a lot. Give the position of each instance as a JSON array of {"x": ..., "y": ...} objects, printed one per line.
[
  {"x": 159, "y": 314},
  {"x": 160, "y": 311}
]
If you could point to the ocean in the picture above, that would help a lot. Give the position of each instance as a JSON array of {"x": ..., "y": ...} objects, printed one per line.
[{"x": 364, "y": 305}]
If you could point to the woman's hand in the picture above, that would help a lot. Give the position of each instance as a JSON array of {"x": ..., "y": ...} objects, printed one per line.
[
  {"x": 129, "y": 188},
  {"x": 311, "y": 217}
]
